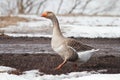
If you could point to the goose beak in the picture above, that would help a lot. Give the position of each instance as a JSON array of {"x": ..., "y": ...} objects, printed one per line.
[{"x": 44, "y": 14}]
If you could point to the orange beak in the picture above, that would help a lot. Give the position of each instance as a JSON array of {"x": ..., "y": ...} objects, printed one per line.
[{"x": 44, "y": 14}]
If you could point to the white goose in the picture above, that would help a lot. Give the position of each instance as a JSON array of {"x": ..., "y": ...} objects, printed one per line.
[{"x": 69, "y": 49}]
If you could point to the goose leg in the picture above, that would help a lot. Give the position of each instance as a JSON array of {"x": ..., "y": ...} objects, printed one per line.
[{"x": 59, "y": 66}]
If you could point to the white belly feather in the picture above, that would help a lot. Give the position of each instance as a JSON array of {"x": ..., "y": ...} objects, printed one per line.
[{"x": 85, "y": 55}]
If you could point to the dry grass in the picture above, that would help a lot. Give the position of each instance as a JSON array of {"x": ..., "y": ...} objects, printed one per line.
[{"x": 10, "y": 20}]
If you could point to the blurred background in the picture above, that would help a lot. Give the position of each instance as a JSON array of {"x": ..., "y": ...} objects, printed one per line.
[
  {"x": 81, "y": 7},
  {"x": 77, "y": 18}
]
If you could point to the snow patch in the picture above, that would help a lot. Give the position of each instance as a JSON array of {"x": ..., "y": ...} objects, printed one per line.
[
  {"x": 72, "y": 26},
  {"x": 36, "y": 75},
  {"x": 98, "y": 77},
  {"x": 6, "y": 69}
]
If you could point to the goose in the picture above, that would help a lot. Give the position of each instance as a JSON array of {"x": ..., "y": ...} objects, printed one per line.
[{"x": 69, "y": 49}]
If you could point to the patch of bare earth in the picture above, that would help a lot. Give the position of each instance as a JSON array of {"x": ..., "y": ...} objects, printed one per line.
[
  {"x": 11, "y": 20},
  {"x": 47, "y": 62},
  {"x": 107, "y": 60}
]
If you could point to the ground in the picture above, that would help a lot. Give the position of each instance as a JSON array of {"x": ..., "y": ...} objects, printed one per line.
[{"x": 106, "y": 59}]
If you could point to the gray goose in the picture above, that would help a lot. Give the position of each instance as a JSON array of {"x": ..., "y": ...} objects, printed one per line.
[{"x": 69, "y": 49}]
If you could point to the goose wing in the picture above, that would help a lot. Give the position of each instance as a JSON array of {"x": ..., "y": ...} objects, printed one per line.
[{"x": 76, "y": 45}]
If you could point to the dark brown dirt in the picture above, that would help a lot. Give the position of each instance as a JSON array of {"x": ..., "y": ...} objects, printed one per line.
[
  {"x": 47, "y": 62},
  {"x": 105, "y": 59}
]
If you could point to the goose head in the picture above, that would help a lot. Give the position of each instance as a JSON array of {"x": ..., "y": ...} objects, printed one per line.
[{"x": 48, "y": 14}]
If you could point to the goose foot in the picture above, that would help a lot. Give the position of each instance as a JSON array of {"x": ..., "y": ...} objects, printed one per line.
[{"x": 60, "y": 66}]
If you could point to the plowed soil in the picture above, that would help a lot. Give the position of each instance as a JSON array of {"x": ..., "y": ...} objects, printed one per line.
[{"x": 108, "y": 58}]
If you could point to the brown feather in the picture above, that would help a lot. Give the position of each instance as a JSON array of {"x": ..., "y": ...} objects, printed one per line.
[{"x": 78, "y": 46}]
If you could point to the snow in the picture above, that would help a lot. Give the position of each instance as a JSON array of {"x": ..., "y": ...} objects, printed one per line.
[
  {"x": 6, "y": 69},
  {"x": 94, "y": 32},
  {"x": 36, "y": 75},
  {"x": 6, "y": 76},
  {"x": 98, "y": 77},
  {"x": 71, "y": 26}
]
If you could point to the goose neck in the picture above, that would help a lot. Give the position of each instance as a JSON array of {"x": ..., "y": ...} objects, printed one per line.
[{"x": 56, "y": 28}]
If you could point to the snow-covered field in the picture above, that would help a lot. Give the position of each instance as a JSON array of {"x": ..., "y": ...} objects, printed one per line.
[
  {"x": 36, "y": 75},
  {"x": 71, "y": 26}
]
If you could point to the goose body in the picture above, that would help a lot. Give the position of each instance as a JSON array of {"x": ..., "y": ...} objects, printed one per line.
[{"x": 69, "y": 49}]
